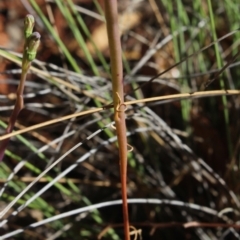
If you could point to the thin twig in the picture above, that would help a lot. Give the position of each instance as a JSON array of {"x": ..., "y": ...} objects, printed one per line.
[
  {"x": 173, "y": 97},
  {"x": 113, "y": 31}
]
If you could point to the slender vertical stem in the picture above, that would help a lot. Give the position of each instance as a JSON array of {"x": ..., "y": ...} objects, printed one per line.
[
  {"x": 32, "y": 41},
  {"x": 113, "y": 31},
  {"x": 222, "y": 84}
]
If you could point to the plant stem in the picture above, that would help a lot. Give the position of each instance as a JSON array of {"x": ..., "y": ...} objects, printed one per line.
[
  {"x": 111, "y": 14},
  {"x": 32, "y": 41}
]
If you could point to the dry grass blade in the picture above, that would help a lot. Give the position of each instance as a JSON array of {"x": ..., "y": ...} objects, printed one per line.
[{"x": 227, "y": 92}]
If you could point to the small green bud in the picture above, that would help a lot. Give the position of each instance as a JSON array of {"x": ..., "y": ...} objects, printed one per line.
[
  {"x": 28, "y": 25},
  {"x": 32, "y": 45}
]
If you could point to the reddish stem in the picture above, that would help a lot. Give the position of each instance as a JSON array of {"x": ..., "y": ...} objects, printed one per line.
[{"x": 113, "y": 31}]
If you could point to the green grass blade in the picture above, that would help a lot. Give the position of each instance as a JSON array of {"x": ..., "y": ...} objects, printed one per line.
[{"x": 55, "y": 36}]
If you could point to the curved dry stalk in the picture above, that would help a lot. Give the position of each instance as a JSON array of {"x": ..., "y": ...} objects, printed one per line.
[
  {"x": 176, "y": 203},
  {"x": 145, "y": 100},
  {"x": 50, "y": 122}
]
